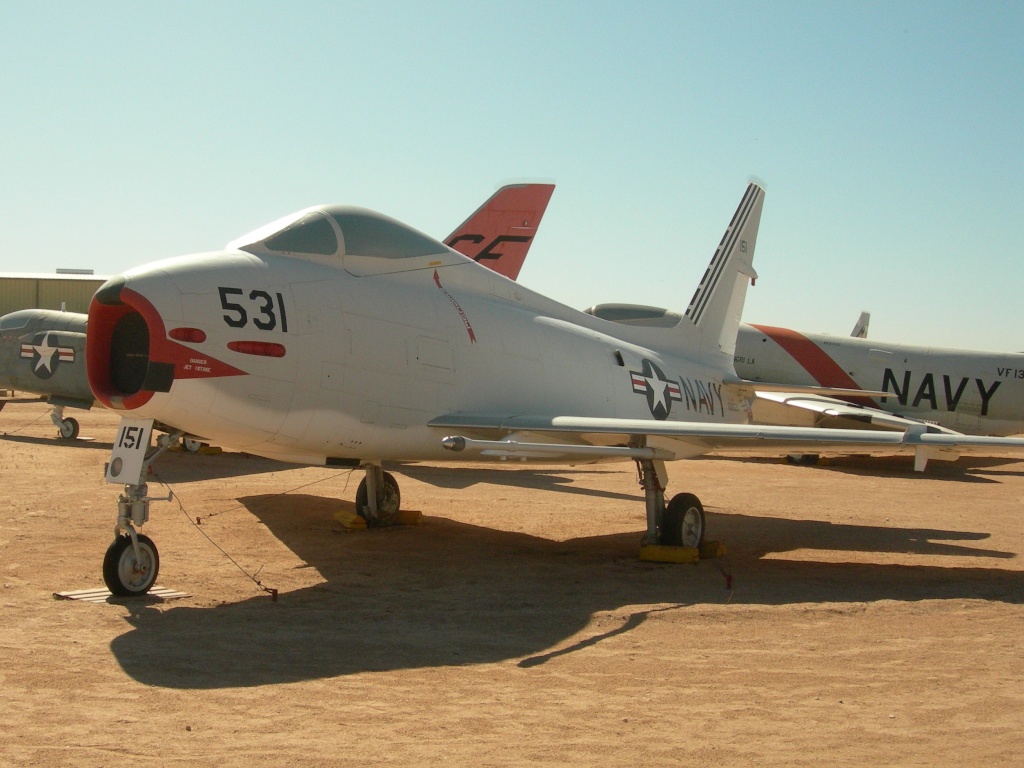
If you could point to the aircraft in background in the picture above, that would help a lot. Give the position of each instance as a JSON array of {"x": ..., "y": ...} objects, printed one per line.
[
  {"x": 43, "y": 351},
  {"x": 860, "y": 328},
  {"x": 341, "y": 337},
  {"x": 979, "y": 393},
  {"x": 500, "y": 232},
  {"x": 888, "y": 386}
]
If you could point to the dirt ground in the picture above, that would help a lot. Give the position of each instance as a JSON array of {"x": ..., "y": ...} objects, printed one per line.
[{"x": 874, "y": 616}]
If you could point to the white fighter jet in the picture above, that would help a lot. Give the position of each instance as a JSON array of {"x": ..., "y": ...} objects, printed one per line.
[
  {"x": 338, "y": 336},
  {"x": 42, "y": 351}
]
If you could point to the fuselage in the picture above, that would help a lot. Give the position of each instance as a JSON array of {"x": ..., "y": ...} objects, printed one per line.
[
  {"x": 972, "y": 392},
  {"x": 339, "y": 357}
]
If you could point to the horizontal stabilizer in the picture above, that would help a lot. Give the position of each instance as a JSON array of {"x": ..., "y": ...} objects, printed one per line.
[
  {"x": 807, "y": 389},
  {"x": 830, "y": 408}
]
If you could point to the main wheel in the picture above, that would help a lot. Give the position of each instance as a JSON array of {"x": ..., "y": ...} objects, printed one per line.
[
  {"x": 68, "y": 428},
  {"x": 192, "y": 445},
  {"x": 123, "y": 573},
  {"x": 803, "y": 459},
  {"x": 682, "y": 524},
  {"x": 387, "y": 507}
]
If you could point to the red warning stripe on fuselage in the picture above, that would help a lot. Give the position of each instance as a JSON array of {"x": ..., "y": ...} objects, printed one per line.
[{"x": 816, "y": 361}]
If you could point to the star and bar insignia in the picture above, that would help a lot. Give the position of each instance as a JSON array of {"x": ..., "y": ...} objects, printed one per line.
[
  {"x": 660, "y": 391},
  {"x": 45, "y": 355}
]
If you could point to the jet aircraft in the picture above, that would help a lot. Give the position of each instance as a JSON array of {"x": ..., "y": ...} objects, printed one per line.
[
  {"x": 888, "y": 386},
  {"x": 973, "y": 392},
  {"x": 43, "y": 351},
  {"x": 339, "y": 336}
]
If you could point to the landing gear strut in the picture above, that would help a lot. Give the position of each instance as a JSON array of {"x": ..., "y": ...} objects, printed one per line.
[
  {"x": 681, "y": 522},
  {"x": 67, "y": 428},
  {"x": 132, "y": 562}
]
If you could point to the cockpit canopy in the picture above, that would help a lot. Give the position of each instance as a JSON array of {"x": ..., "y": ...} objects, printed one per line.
[{"x": 338, "y": 230}]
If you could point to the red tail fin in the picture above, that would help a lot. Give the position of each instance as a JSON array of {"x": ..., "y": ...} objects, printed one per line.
[{"x": 499, "y": 234}]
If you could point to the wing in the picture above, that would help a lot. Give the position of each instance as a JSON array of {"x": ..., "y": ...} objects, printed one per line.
[{"x": 592, "y": 439}]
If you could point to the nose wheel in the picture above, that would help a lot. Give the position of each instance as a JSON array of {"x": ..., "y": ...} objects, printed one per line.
[
  {"x": 130, "y": 567},
  {"x": 67, "y": 428}
]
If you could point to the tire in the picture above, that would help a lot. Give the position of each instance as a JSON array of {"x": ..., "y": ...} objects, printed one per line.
[
  {"x": 121, "y": 571},
  {"x": 682, "y": 524},
  {"x": 803, "y": 459},
  {"x": 68, "y": 429},
  {"x": 387, "y": 511}
]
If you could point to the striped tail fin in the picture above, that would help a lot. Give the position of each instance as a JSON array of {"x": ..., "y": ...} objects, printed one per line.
[{"x": 717, "y": 303}]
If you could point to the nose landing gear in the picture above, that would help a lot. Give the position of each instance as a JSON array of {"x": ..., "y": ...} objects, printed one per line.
[
  {"x": 131, "y": 563},
  {"x": 67, "y": 428}
]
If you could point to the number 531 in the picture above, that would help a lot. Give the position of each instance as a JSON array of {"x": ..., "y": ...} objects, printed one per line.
[{"x": 266, "y": 310}]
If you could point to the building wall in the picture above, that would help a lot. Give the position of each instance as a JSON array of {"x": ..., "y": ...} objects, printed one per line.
[{"x": 47, "y": 292}]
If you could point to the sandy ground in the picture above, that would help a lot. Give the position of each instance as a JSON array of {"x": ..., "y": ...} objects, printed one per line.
[{"x": 874, "y": 617}]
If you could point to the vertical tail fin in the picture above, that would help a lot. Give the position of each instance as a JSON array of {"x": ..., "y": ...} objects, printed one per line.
[
  {"x": 860, "y": 330},
  {"x": 717, "y": 304},
  {"x": 498, "y": 235}
]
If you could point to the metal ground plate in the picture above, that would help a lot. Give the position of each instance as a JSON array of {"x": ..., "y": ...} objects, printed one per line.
[{"x": 103, "y": 595}]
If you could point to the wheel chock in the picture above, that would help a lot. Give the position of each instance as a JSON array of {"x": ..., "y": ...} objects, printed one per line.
[
  {"x": 662, "y": 553},
  {"x": 353, "y": 522},
  {"x": 409, "y": 517},
  {"x": 712, "y": 549},
  {"x": 350, "y": 520}
]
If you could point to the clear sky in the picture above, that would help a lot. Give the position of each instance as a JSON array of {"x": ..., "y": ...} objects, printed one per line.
[{"x": 889, "y": 137}]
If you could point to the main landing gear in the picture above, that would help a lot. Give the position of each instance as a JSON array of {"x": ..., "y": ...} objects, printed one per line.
[
  {"x": 675, "y": 531},
  {"x": 378, "y": 498},
  {"x": 377, "y": 502}
]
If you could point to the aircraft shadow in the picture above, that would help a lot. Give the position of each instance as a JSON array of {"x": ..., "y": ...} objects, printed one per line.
[
  {"x": 966, "y": 469},
  {"x": 448, "y": 593},
  {"x": 80, "y": 442},
  {"x": 459, "y": 478},
  {"x": 20, "y": 400},
  {"x": 183, "y": 467},
  {"x": 180, "y": 467}
]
